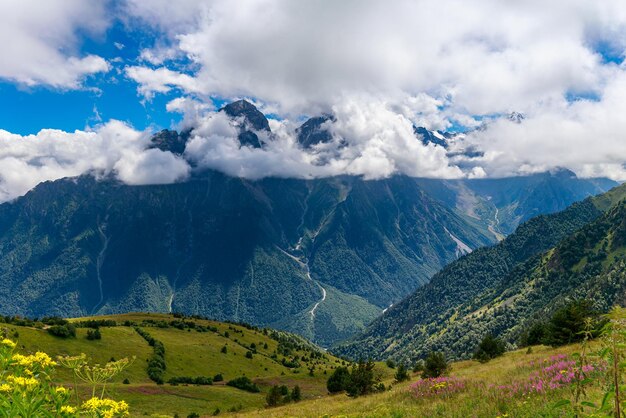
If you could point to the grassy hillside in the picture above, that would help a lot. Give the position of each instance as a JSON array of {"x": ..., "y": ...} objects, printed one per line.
[
  {"x": 504, "y": 387},
  {"x": 188, "y": 352},
  {"x": 486, "y": 392}
]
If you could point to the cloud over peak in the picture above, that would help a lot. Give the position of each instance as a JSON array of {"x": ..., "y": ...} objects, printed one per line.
[{"x": 380, "y": 69}]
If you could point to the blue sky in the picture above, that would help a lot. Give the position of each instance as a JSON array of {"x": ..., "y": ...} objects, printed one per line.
[
  {"x": 27, "y": 110},
  {"x": 83, "y": 67},
  {"x": 131, "y": 27}
]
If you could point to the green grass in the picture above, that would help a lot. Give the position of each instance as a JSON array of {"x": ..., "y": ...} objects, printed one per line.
[
  {"x": 116, "y": 342},
  {"x": 188, "y": 353},
  {"x": 193, "y": 353},
  {"x": 476, "y": 401},
  {"x": 166, "y": 400}
]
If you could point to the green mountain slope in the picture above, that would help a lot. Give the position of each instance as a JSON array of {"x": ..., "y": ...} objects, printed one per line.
[
  {"x": 318, "y": 257},
  {"x": 503, "y": 288},
  {"x": 276, "y": 252}
]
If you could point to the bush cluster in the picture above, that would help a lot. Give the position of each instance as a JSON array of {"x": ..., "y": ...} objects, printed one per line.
[
  {"x": 156, "y": 362},
  {"x": 280, "y": 395},
  {"x": 186, "y": 380},
  {"x": 435, "y": 365},
  {"x": 361, "y": 380},
  {"x": 94, "y": 334},
  {"x": 244, "y": 383},
  {"x": 566, "y": 325},
  {"x": 489, "y": 348},
  {"x": 63, "y": 331},
  {"x": 96, "y": 323}
]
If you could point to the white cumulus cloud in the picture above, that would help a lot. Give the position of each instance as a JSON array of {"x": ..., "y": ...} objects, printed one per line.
[
  {"x": 112, "y": 148},
  {"x": 39, "y": 41}
]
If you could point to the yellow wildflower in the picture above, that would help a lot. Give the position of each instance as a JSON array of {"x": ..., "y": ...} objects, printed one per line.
[
  {"x": 44, "y": 359},
  {"x": 20, "y": 359},
  {"x": 38, "y": 359},
  {"x": 27, "y": 383},
  {"x": 4, "y": 388},
  {"x": 108, "y": 407},
  {"x": 67, "y": 409},
  {"x": 7, "y": 343}
]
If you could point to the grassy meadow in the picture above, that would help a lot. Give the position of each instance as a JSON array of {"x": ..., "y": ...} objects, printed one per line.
[
  {"x": 189, "y": 352},
  {"x": 478, "y": 399}
]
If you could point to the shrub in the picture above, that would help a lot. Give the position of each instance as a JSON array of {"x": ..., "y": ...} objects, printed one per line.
[
  {"x": 362, "y": 379},
  {"x": 244, "y": 383},
  {"x": 418, "y": 366},
  {"x": 291, "y": 364},
  {"x": 274, "y": 396},
  {"x": 566, "y": 325},
  {"x": 402, "y": 373},
  {"x": 296, "y": 394},
  {"x": 186, "y": 380},
  {"x": 536, "y": 334},
  {"x": 54, "y": 320},
  {"x": 279, "y": 395},
  {"x": 249, "y": 354},
  {"x": 218, "y": 378},
  {"x": 94, "y": 334},
  {"x": 156, "y": 362},
  {"x": 390, "y": 363},
  {"x": 489, "y": 348},
  {"x": 338, "y": 381},
  {"x": 96, "y": 323},
  {"x": 435, "y": 365},
  {"x": 63, "y": 331}
]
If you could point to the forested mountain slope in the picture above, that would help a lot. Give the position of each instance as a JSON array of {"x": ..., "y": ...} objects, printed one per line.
[
  {"x": 503, "y": 289},
  {"x": 320, "y": 257}
]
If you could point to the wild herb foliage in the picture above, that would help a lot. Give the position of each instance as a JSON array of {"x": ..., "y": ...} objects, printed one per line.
[
  {"x": 548, "y": 375},
  {"x": 436, "y": 387},
  {"x": 587, "y": 383},
  {"x": 27, "y": 388}
]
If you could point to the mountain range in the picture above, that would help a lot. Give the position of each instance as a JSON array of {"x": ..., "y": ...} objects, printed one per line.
[
  {"x": 578, "y": 253},
  {"x": 320, "y": 257}
]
